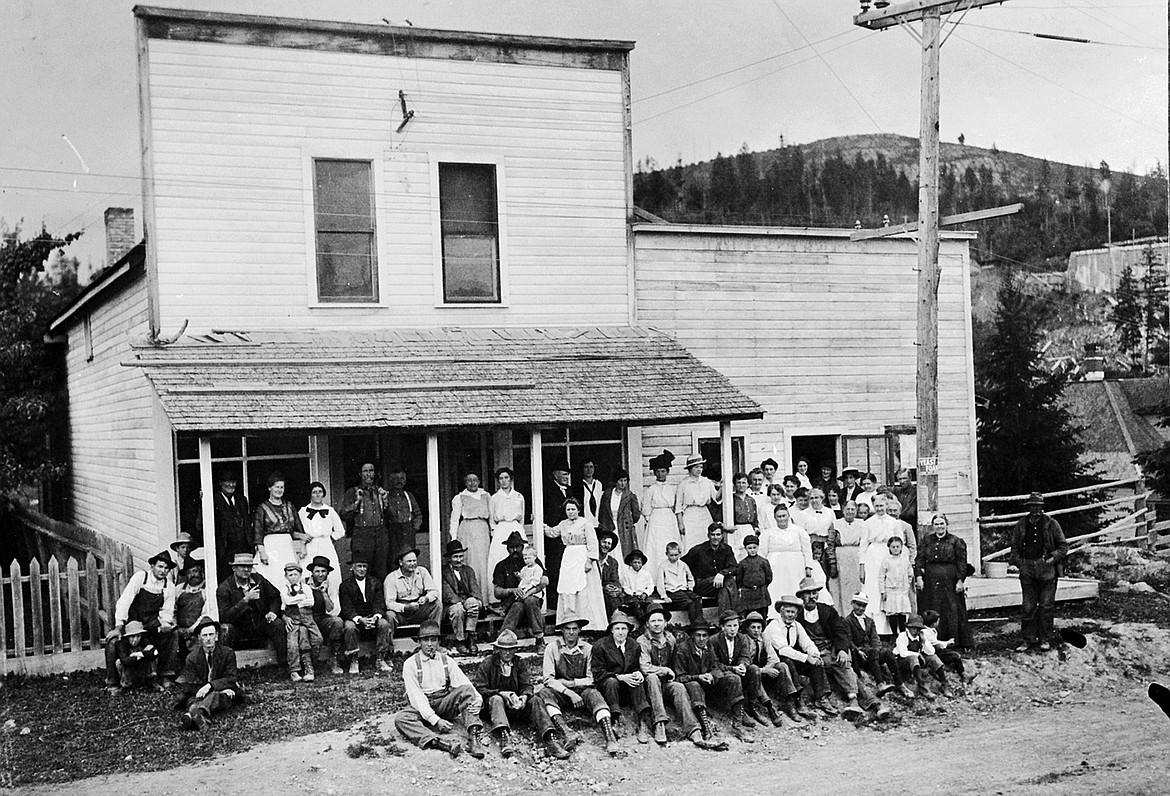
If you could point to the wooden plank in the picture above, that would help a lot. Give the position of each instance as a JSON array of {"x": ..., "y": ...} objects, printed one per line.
[
  {"x": 3, "y": 625},
  {"x": 73, "y": 595},
  {"x": 879, "y": 18},
  {"x": 1063, "y": 493},
  {"x": 36, "y": 607},
  {"x": 93, "y": 598},
  {"x": 1113, "y": 527},
  {"x": 1008, "y": 519},
  {"x": 43, "y": 665},
  {"x": 957, "y": 218},
  {"x": 55, "y": 608},
  {"x": 18, "y": 638}
]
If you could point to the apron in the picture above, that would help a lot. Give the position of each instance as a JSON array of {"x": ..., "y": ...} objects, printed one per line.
[{"x": 572, "y": 578}]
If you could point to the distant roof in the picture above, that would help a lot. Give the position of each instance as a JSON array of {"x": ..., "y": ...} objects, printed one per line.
[
  {"x": 94, "y": 293},
  {"x": 1147, "y": 396},
  {"x": 1113, "y": 431},
  {"x": 794, "y": 232},
  {"x": 236, "y": 381}
]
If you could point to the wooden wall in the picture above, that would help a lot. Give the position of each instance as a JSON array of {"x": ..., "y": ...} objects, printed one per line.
[{"x": 820, "y": 331}]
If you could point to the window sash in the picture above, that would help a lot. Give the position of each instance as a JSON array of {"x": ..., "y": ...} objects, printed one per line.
[
  {"x": 470, "y": 233},
  {"x": 346, "y": 232}
]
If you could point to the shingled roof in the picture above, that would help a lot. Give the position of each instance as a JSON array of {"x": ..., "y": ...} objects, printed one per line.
[
  {"x": 1113, "y": 431},
  {"x": 435, "y": 378}
]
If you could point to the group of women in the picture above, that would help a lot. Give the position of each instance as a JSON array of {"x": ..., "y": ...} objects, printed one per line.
[{"x": 284, "y": 534}]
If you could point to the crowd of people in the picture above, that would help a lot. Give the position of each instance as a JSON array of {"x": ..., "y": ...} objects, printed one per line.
[{"x": 821, "y": 588}]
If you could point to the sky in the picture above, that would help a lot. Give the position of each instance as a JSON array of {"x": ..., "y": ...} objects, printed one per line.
[{"x": 708, "y": 76}]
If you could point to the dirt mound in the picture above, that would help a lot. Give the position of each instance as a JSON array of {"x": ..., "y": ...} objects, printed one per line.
[{"x": 1114, "y": 564}]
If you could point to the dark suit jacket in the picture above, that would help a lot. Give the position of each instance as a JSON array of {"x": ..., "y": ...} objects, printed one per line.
[
  {"x": 845, "y": 494},
  {"x": 232, "y": 608},
  {"x": 831, "y": 626},
  {"x": 741, "y": 654},
  {"x": 610, "y": 571},
  {"x": 220, "y": 671},
  {"x": 554, "y": 502},
  {"x": 706, "y": 563},
  {"x": 608, "y": 661},
  {"x": 354, "y": 604},
  {"x": 456, "y": 591},
  {"x": 627, "y": 516},
  {"x": 862, "y": 634},
  {"x": 233, "y": 524},
  {"x": 489, "y": 678},
  {"x": 689, "y": 661}
]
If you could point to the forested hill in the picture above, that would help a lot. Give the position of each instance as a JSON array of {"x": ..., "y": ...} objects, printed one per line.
[{"x": 839, "y": 181}]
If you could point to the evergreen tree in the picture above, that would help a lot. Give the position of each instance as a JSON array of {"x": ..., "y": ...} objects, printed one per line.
[
  {"x": 724, "y": 196},
  {"x": 1127, "y": 313}
]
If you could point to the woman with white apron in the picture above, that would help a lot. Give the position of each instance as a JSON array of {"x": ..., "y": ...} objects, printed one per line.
[
  {"x": 845, "y": 541},
  {"x": 507, "y": 515},
  {"x": 875, "y": 533},
  {"x": 323, "y": 525},
  {"x": 579, "y": 594},
  {"x": 694, "y": 494},
  {"x": 789, "y": 550},
  {"x": 470, "y": 510},
  {"x": 277, "y": 532},
  {"x": 658, "y": 509}
]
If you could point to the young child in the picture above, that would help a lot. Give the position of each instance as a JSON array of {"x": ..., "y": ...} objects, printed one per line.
[
  {"x": 303, "y": 637},
  {"x": 895, "y": 579},
  {"x": 942, "y": 649},
  {"x": 753, "y": 576},
  {"x": 676, "y": 584},
  {"x": 531, "y": 574},
  {"x": 137, "y": 659},
  {"x": 638, "y": 585},
  {"x": 913, "y": 652}
]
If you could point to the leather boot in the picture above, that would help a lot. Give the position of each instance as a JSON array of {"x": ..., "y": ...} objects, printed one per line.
[
  {"x": 790, "y": 709},
  {"x": 825, "y": 703},
  {"x": 444, "y": 745},
  {"x": 475, "y": 746},
  {"x": 852, "y": 710},
  {"x": 804, "y": 706},
  {"x": 611, "y": 742},
  {"x": 643, "y": 731},
  {"x": 553, "y": 747},
  {"x": 774, "y": 715},
  {"x": 923, "y": 686},
  {"x": 708, "y": 736},
  {"x": 471, "y": 643},
  {"x": 507, "y": 746},
  {"x": 660, "y": 733},
  {"x": 751, "y": 716},
  {"x": 572, "y": 737},
  {"x": 741, "y": 729}
]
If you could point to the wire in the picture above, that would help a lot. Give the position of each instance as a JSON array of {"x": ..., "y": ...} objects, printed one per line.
[
  {"x": 1072, "y": 39},
  {"x": 1098, "y": 20}
]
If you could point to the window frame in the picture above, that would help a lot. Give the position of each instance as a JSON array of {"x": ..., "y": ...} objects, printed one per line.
[{"x": 477, "y": 159}]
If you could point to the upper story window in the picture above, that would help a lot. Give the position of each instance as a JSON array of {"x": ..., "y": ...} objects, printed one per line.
[
  {"x": 470, "y": 231},
  {"x": 346, "y": 234}
]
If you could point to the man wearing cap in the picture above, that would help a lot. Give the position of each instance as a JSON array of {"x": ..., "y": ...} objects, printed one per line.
[
  {"x": 568, "y": 683},
  {"x": 208, "y": 678},
  {"x": 438, "y": 691},
  {"x": 556, "y": 492},
  {"x": 617, "y": 674},
  {"x": 149, "y": 598},
  {"x": 733, "y": 652},
  {"x": 773, "y": 673},
  {"x": 327, "y": 611},
  {"x": 363, "y": 509},
  {"x": 714, "y": 566},
  {"x": 461, "y": 597},
  {"x": 797, "y": 652},
  {"x": 249, "y": 608},
  {"x": 694, "y": 494},
  {"x": 233, "y": 520},
  {"x": 362, "y": 608},
  {"x": 657, "y": 651},
  {"x": 1038, "y": 549},
  {"x": 698, "y": 672},
  {"x": 868, "y": 652},
  {"x": 410, "y": 593},
  {"x": 519, "y": 608},
  {"x": 504, "y": 682}
]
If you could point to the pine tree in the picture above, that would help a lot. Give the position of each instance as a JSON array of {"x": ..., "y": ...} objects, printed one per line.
[{"x": 1127, "y": 313}]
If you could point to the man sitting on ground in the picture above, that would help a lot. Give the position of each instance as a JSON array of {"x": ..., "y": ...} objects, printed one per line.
[
  {"x": 249, "y": 607},
  {"x": 362, "y": 607},
  {"x": 796, "y": 652},
  {"x": 327, "y": 612},
  {"x": 869, "y": 654},
  {"x": 568, "y": 683},
  {"x": 208, "y": 679},
  {"x": 190, "y": 602},
  {"x": 733, "y": 651},
  {"x": 714, "y": 566},
  {"x": 658, "y": 647},
  {"x": 519, "y": 606},
  {"x": 505, "y": 684},
  {"x": 617, "y": 673},
  {"x": 461, "y": 597},
  {"x": 773, "y": 673},
  {"x": 137, "y": 659},
  {"x": 438, "y": 691},
  {"x": 149, "y": 598},
  {"x": 700, "y": 673},
  {"x": 410, "y": 593}
]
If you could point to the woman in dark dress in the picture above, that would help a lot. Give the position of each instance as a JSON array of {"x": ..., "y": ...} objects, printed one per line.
[{"x": 941, "y": 567}]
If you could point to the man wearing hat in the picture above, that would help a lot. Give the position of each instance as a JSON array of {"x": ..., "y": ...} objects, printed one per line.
[
  {"x": 136, "y": 659},
  {"x": 773, "y": 674},
  {"x": 617, "y": 674},
  {"x": 233, "y": 520},
  {"x": 714, "y": 566},
  {"x": 568, "y": 683},
  {"x": 181, "y": 548},
  {"x": 438, "y": 691},
  {"x": 851, "y": 488},
  {"x": 658, "y": 646},
  {"x": 692, "y": 500},
  {"x": 410, "y": 593},
  {"x": 797, "y": 652},
  {"x": 249, "y": 608},
  {"x": 1038, "y": 549},
  {"x": 461, "y": 596},
  {"x": 700, "y": 674},
  {"x": 190, "y": 602},
  {"x": 149, "y": 598},
  {"x": 869, "y": 654},
  {"x": 208, "y": 678},
  {"x": 504, "y": 682},
  {"x": 556, "y": 491},
  {"x": 610, "y": 570},
  {"x": 519, "y": 608},
  {"x": 362, "y": 608},
  {"x": 327, "y": 611},
  {"x": 733, "y": 653}
]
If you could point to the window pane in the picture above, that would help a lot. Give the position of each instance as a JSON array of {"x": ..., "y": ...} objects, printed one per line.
[
  {"x": 470, "y": 269},
  {"x": 296, "y": 480},
  {"x": 344, "y": 202},
  {"x": 224, "y": 448},
  {"x": 467, "y": 207},
  {"x": 278, "y": 445},
  {"x": 345, "y": 266},
  {"x": 187, "y": 446},
  {"x": 346, "y": 236}
]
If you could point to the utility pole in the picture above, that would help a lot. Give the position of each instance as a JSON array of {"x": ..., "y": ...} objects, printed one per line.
[{"x": 932, "y": 14}]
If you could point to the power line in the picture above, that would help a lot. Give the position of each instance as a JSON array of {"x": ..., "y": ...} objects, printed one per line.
[
  {"x": 1097, "y": 19},
  {"x": 1058, "y": 37}
]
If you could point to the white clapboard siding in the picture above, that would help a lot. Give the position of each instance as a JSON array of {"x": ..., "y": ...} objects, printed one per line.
[
  {"x": 233, "y": 128},
  {"x": 111, "y": 474},
  {"x": 820, "y": 331}
]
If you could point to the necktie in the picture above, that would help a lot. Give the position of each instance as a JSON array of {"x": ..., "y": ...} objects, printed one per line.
[{"x": 592, "y": 501}]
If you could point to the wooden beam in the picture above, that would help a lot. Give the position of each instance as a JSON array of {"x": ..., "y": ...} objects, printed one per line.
[
  {"x": 727, "y": 466},
  {"x": 210, "y": 543},
  {"x": 957, "y": 218},
  {"x": 434, "y": 513},
  {"x": 913, "y": 11}
]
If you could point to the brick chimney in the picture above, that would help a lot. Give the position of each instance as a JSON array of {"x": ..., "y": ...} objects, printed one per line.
[{"x": 119, "y": 233}]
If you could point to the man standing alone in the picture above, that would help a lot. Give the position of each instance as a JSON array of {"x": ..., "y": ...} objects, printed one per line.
[{"x": 1038, "y": 549}]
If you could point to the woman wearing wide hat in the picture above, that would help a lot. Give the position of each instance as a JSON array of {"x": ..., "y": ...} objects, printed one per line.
[
  {"x": 658, "y": 509},
  {"x": 692, "y": 499}
]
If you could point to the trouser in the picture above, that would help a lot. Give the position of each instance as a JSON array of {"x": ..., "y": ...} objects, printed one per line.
[
  {"x": 1038, "y": 589},
  {"x": 754, "y": 599},
  {"x": 464, "y": 617},
  {"x": 614, "y": 690},
  {"x": 179, "y": 645},
  {"x": 332, "y": 631},
  {"x": 138, "y": 673},
  {"x": 637, "y": 605},
  {"x": 162, "y": 644},
  {"x": 691, "y": 602},
  {"x": 727, "y": 594},
  {"x": 554, "y": 551},
  {"x": 659, "y": 691},
  {"x": 258, "y": 633},
  {"x": 500, "y": 715},
  {"x": 949, "y": 657},
  {"x": 381, "y": 633},
  {"x": 304, "y": 644},
  {"x": 726, "y": 688},
  {"x": 613, "y": 599},
  {"x": 555, "y": 702},
  {"x": 372, "y": 541},
  {"x": 822, "y": 678},
  {"x": 462, "y": 702},
  {"x": 529, "y": 610},
  {"x": 414, "y": 613},
  {"x": 753, "y": 686},
  {"x": 871, "y": 660},
  {"x": 782, "y": 678},
  {"x": 213, "y": 702},
  {"x": 907, "y": 664}
]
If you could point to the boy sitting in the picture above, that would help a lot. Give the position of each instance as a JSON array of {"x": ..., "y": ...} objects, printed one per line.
[
  {"x": 676, "y": 584},
  {"x": 942, "y": 649},
  {"x": 638, "y": 585},
  {"x": 136, "y": 659},
  {"x": 913, "y": 652}
]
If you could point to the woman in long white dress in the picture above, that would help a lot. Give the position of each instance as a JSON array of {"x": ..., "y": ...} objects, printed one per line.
[
  {"x": 507, "y": 515},
  {"x": 691, "y": 500},
  {"x": 875, "y": 533},
  {"x": 789, "y": 551},
  {"x": 470, "y": 510},
  {"x": 579, "y": 594},
  {"x": 658, "y": 509},
  {"x": 277, "y": 533},
  {"x": 845, "y": 541},
  {"x": 323, "y": 525}
]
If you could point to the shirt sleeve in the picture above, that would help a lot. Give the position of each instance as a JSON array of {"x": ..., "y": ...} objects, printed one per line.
[
  {"x": 456, "y": 513},
  {"x": 805, "y": 547},
  {"x": 458, "y": 678},
  {"x": 338, "y": 531},
  {"x": 414, "y": 693},
  {"x": 122, "y": 607},
  {"x": 429, "y": 584}
]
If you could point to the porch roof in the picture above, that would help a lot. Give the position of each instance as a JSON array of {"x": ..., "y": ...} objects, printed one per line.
[{"x": 434, "y": 378}]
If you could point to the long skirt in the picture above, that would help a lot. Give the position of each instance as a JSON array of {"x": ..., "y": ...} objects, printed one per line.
[
  {"x": 585, "y": 600},
  {"x": 323, "y": 546},
  {"x": 939, "y": 595},
  {"x": 696, "y": 521},
  {"x": 280, "y": 551},
  {"x": 661, "y": 530},
  {"x": 874, "y": 557},
  {"x": 498, "y": 551},
  {"x": 476, "y": 537},
  {"x": 847, "y": 583},
  {"x": 787, "y": 572}
]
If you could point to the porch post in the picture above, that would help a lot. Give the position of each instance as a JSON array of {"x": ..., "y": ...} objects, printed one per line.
[
  {"x": 210, "y": 548},
  {"x": 728, "y": 467},
  {"x": 434, "y": 518},
  {"x": 537, "y": 477}
]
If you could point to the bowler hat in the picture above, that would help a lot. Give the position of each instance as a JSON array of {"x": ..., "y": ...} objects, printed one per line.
[
  {"x": 428, "y": 630},
  {"x": 184, "y": 538},
  {"x": 1034, "y": 499},
  {"x": 789, "y": 599},
  {"x": 515, "y": 538},
  {"x": 243, "y": 560},
  {"x": 860, "y": 597},
  {"x": 359, "y": 558},
  {"x": 320, "y": 561},
  {"x": 699, "y": 627},
  {"x": 453, "y": 547},
  {"x": 162, "y": 558},
  {"x": 727, "y": 616},
  {"x": 133, "y": 628},
  {"x": 407, "y": 552},
  {"x": 914, "y": 620},
  {"x": 753, "y": 618},
  {"x": 506, "y": 640},
  {"x": 634, "y": 555},
  {"x": 620, "y": 618},
  {"x": 807, "y": 584},
  {"x": 694, "y": 461},
  {"x": 206, "y": 622}
]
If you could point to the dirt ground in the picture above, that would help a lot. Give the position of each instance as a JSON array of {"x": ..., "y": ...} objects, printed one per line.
[{"x": 1070, "y": 721}]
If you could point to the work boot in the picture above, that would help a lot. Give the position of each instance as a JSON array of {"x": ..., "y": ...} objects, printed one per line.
[
  {"x": 335, "y": 667},
  {"x": 611, "y": 742},
  {"x": 572, "y": 737},
  {"x": 804, "y": 706},
  {"x": 884, "y": 689},
  {"x": 384, "y": 666},
  {"x": 825, "y": 703},
  {"x": 751, "y": 717},
  {"x": 199, "y": 717},
  {"x": 774, "y": 715},
  {"x": 881, "y": 712},
  {"x": 295, "y": 676},
  {"x": 443, "y": 745},
  {"x": 553, "y": 747},
  {"x": 310, "y": 673},
  {"x": 475, "y": 746},
  {"x": 472, "y": 643},
  {"x": 789, "y": 708},
  {"x": 186, "y": 721},
  {"x": 969, "y": 676},
  {"x": 852, "y": 710},
  {"x": 696, "y": 737},
  {"x": 643, "y": 732},
  {"x": 739, "y": 727},
  {"x": 507, "y": 746},
  {"x": 660, "y": 733},
  {"x": 923, "y": 686},
  {"x": 355, "y": 666}
]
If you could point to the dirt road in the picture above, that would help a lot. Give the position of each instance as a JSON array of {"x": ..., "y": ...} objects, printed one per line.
[{"x": 1094, "y": 748}]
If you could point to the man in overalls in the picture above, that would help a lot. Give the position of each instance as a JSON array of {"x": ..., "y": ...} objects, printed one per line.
[
  {"x": 149, "y": 598},
  {"x": 363, "y": 509}
]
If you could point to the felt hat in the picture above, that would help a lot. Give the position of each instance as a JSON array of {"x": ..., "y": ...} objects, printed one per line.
[
  {"x": 751, "y": 539},
  {"x": 1034, "y": 499},
  {"x": 914, "y": 620},
  {"x": 571, "y": 620},
  {"x": 506, "y": 641},
  {"x": 560, "y": 463},
  {"x": 293, "y": 565},
  {"x": 693, "y": 461},
  {"x": 662, "y": 461},
  {"x": 658, "y": 608},
  {"x": 727, "y": 616},
  {"x": 620, "y": 618},
  {"x": 133, "y": 628},
  {"x": 359, "y": 558},
  {"x": 607, "y": 535},
  {"x": 454, "y": 546},
  {"x": 320, "y": 561},
  {"x": 195, "y": 563},
  {"x": 515, "y": 538},
  {"x": 851, "y": 471},
  {"x": 414, "y": 550},
  {"x": 225, "y": 474},
  {"x": 206, "y": 622},
  {"x": 428, "y": 630},
  {"x": 789, "y": 599},
  {"x": 162, "y": 558},
  {"x": 184, "y": 538},
  {"x": 755, "y": 617},
  {"x": 769, "y": 461},
  {"x": 635, "y": 554},
  {"x": 697, "y": 627},
  {"x": 807, "y": 584},
  {"x": 860, "y": 597}
]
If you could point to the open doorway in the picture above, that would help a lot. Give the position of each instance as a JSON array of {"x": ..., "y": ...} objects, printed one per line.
[{"x": 820, "y": 450}]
